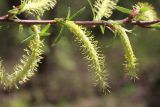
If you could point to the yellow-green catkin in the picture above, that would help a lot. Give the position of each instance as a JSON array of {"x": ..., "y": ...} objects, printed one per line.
[
  {"x": 146, "y": 12},
  {"x": 91, "y": 52},
  {"x": 37, "y": 6},
  {"x": 28, "y": 64},
  {"x": 3, "y": 75},
  {"x": 104, "y": 8},
  {"x": 130, "y": 59}
]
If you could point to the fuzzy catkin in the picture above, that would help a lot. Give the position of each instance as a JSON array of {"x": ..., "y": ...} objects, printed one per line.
[
  {"x": 37, "y": 6},
  {"x": 146, "y": 12},
  {"x": 104, "y": 8},
  {"x": 89, "y": 48},
  {"x": 130, "y": 59},
  {"x": 28, "y": 64}
]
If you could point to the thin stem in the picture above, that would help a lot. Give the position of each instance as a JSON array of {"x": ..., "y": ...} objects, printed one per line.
[{"x": 4, "y": 19}]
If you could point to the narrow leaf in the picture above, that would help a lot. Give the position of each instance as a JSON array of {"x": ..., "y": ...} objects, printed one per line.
[
  {"x": 123, "y": 10},
  {"x": 92, "y": 8},
  {"x": 27, "y": 39},
  {"x": 78, "y": 13},
  {"x": 58, "y": 37}
]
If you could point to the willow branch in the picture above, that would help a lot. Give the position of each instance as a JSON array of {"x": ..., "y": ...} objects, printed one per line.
[{"x": 5, "y": 19}]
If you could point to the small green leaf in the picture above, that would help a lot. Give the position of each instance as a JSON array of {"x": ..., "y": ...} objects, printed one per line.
[
  {"x": 70, "y": 18},
  {"x": 156, "y": 26},
  {"x": 62, "y": 28},
  {"x": 44, "y": 30},
  {"x": 58, "y": 37},
  {"x": 77, "y": 13},
  {"x": 69, "y": 13},
  {"x": 102, "y": 29},
  {"x": 123, "y": 10},
  {"x": 45, "y": 34},
  {"x": 28, "y": 38},
  {"x": 92, "y": 8}
]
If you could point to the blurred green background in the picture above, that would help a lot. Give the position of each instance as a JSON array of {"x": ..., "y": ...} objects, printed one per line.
[{"x": 63, "y": 79}]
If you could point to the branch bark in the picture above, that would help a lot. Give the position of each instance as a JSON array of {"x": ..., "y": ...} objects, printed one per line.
[{"x": 5, "y": 19}]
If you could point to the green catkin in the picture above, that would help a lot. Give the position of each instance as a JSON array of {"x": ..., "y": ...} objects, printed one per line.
[
  {"x": 27, "y": 67},
  {"x": 131, "y": 61},
  {"x": 104, "y": 8},
  {"x": 29, "y": 62},
  {"x": 37, "y": 6},
  {"x": 90, "y": 50},
  {"x": 2, "y": 74},
  {"x": 146, "y": 12}
]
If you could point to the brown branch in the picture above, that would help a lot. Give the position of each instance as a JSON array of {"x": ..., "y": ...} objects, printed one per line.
[
  {"x": 85, "y": 23},
  {"x": 5, "y": 19},
  {"x": 147, "y": 23},
  {"x": 53, "y": 22}
]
